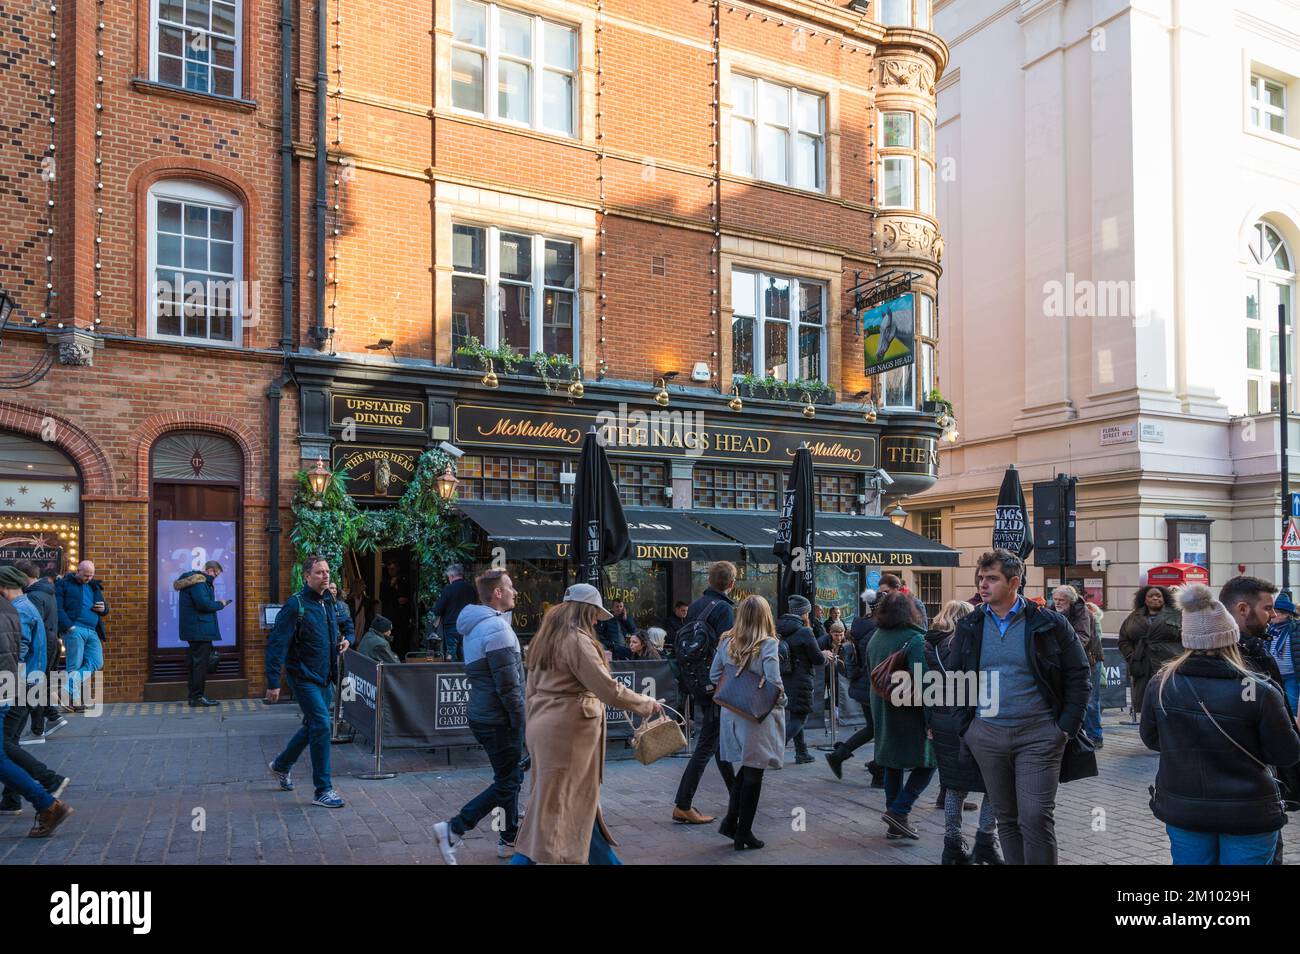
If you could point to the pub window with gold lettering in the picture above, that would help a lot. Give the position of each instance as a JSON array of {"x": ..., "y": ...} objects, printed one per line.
[{"x": 514, "y": 479}]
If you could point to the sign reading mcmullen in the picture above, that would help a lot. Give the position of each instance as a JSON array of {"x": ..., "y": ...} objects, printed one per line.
[{"x": 668, "y": 432}]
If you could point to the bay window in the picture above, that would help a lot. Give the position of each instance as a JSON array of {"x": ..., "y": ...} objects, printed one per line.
[{"x": 906, "y": 161}]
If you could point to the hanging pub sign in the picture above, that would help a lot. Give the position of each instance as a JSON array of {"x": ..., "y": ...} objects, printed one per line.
[
  {"x": 672, "y": 433},
  {"x": 886, "y": 308},
  {"x": 376, "y": 473},
  {"x": 376, "y": 412}
]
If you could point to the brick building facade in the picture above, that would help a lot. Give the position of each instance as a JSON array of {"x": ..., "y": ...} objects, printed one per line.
[{"x": 641, "y": 187}]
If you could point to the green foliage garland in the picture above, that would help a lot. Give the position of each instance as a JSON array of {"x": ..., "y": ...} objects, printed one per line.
[{"x": 421, "y": 521}]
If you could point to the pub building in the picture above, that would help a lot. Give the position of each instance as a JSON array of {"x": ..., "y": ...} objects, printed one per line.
[{"x": 699, "y": 481}]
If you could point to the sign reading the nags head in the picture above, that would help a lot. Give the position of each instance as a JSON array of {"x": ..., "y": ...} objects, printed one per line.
[{"x": 376, "y": 472}]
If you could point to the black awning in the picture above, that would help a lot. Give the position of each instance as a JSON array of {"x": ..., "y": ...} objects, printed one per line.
[
  {"x": 840, "y": 539},
  {"x": 529, "y": 531}
]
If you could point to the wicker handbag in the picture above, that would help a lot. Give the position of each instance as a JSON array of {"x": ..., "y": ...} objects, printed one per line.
[{"x": 655, "y": 738}]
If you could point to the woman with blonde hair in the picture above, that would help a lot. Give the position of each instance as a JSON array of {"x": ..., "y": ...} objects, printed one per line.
[
  {"x": 957, "y": 777},
  {"x": 568, "y": 688},
  {"x": 750, "y": 644},
  {"x": 1218, "y": 728}
]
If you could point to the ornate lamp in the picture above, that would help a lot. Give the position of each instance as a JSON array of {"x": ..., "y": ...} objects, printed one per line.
[
  {"x": 318, "y": 478},
  {"x": 446, "y": 484},
  {"x": 898, "y": 516}
]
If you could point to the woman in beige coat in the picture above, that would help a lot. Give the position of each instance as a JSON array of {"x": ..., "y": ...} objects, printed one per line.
[{"x": 569, "y": 686}]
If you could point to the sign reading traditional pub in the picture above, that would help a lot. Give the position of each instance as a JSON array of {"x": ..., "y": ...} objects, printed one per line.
[
  {"x": 668, "y": 432},
  {"x": 376, "y": 473},
  {"x": 368, "y": 412}
]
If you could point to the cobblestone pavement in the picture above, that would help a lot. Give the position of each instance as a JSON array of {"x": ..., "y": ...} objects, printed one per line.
[{"x": 145, "y": 774}]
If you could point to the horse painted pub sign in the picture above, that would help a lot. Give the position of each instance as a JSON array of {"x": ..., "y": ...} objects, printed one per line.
[{"x": 889, "y": 334}]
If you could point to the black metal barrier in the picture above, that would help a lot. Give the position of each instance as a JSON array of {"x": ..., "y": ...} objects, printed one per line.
[{"x": 425, "y": 705}]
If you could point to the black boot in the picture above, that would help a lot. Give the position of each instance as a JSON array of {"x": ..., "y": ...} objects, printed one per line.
[
  {"x": 955, "y": 853},
  {"x": 751, "y": 786},
  {"x": 877, "y": 774},
  {"x": 836, "y": 760},
  {"x": 986, "y": 849},
  {"x": 728, "y": 826},
  {"x": 801, "y": 753}
]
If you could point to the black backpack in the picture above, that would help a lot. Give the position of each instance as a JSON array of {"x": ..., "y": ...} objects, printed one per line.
[
  {"x": 783, "y": 654},
  {"x": 696, "y": 644}
]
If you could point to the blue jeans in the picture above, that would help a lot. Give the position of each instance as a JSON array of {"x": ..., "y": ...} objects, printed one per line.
[
  {"x": 504, "y": 747},
  {"x": 451, "y": 646},
  {"x": 899, "y": 797},
  {"x": 1209, "y": 848},
  {"x": 15, "y": 778},
  {"x": 315, "y": 732},
  {"x": 85, "y": 654},
  {"x": 1092, "y": 714},
  {"x": 1292, "y": 686},
  {"x": 600, "y": 853}
]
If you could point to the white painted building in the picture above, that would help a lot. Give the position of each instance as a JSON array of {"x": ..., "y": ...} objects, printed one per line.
[{"x": 1119, "y": 190}]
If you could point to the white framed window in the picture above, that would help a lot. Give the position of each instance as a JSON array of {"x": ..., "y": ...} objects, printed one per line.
[
  {"x": 1269, "y": 284},
  {"x": 514, "y": 288},
  {"x": 1267, "y": 104},
  {"x": 196, "y": 263},
  {"x": 196, "y": 45},
  {"x": 530, "y": 62},
  {"x": 778, "y": 133},
  {"x": 778, "y": 326},
  {"x": 907, "y": 386},
  {"x": 906, "y": 175},
  {"x": 895, "y": 12}
]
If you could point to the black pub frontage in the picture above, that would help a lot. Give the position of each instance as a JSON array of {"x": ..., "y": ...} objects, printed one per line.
[{"x": 699, "y": 481}]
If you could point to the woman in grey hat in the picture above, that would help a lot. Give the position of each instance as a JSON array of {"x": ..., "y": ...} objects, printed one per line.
[
  {"x": 568, "y": 688},
  {"x": 1218, "y": 728}
]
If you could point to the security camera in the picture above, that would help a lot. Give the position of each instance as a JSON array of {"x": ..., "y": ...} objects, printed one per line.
[
  {"x": 883, "y": 476},
  {"x": 447, "y": 447}
]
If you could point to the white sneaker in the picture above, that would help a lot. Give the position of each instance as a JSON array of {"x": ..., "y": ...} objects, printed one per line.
[
  {"x": 448, "y": 841},
  {"x": 56, "y": 725},
  {"x": 34, "y": 740}
]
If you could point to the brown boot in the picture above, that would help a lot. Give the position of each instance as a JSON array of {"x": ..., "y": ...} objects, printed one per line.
[
  {"x": 50, "y": 819},
  {"x": 691, "y": 817}
]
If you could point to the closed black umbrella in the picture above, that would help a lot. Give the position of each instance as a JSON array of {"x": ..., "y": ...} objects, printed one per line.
[
  {"x": 794, "y": 532},
  {"x": 598, "y": 530},
  {"x": 1011, "y": 527}
]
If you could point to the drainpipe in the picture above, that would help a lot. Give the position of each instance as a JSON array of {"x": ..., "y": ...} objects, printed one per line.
[
  {"x": 319, "y": 333},
  {"x": 276, "y": 391}
]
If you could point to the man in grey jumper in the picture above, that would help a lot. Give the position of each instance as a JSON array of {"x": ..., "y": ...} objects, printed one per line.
[{"x": 1033, "y": 679}]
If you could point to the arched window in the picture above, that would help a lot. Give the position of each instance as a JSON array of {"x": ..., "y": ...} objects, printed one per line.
[
  {"x": 1270, "y": 285},
  {"x": 196, "y": 263}
]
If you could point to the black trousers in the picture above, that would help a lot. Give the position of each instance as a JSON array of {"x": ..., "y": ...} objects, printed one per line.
[
  {"x": 15, "y": 722},
  {"x": 198, "y": 655},
  {"x": 706, "y": 747}
]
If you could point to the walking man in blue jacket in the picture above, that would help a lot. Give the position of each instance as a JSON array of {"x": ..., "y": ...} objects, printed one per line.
[
  {"x": 305, "y": 640},
  {"x": 198, "y": 622},
  {"x": 495, "y": 668}
]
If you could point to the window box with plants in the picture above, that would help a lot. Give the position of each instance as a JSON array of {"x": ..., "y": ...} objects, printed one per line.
[
  {"x": 474, "y": 356},
  {"x": 775, "y": 389},
  {"x": 935, "y": 403}
]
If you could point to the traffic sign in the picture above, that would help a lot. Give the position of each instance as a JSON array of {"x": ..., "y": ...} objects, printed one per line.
[
  {"x": 1295, "y": 505},
  {"x": 1291, "y": 539}
]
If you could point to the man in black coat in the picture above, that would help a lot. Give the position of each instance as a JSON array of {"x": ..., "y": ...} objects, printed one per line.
[
  {"x": 198, "y": 607},
  {"x": 613, "y": 632},
  {"x": 715, "y": 606},
  {"x": 805, "y": 656},
  {"x": 455, "y": 596},
  {"x": 1033, "y": 683}
]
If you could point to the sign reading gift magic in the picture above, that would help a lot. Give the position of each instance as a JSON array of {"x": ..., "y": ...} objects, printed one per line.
[{"x": 669, "y": 432}]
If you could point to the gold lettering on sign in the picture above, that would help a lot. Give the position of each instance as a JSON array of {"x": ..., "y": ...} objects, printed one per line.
[
  {"x": 863, "y": 558},
  {"x": 509, "y": 427},
  {"x": 738, "y": 444},
  {"x": 835, "y": 451},
  {"x": 662, "y": 552}
]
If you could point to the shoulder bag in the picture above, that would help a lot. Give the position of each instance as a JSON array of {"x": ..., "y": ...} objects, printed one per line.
[
  {"x": 748, "y": 694},
  {"x": 882, "y": 677}
]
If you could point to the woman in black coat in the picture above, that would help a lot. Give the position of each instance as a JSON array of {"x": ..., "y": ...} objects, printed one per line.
[
  {"x": 958, "y": 776},
  {"x": 1220, "y": 803},
  {"x": 1149, "y": 637},
  {"x": 805, "y": 656}
]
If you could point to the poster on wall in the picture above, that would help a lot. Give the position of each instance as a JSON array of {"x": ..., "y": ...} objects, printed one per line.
[
  {"x": 889, "y": 335},
  {"x": 40, "y": 549},
  {"x": 185, "y": 545}
]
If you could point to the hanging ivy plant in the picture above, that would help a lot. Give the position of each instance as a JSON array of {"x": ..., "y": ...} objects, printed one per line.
[{"x": 421, "y": 521}]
